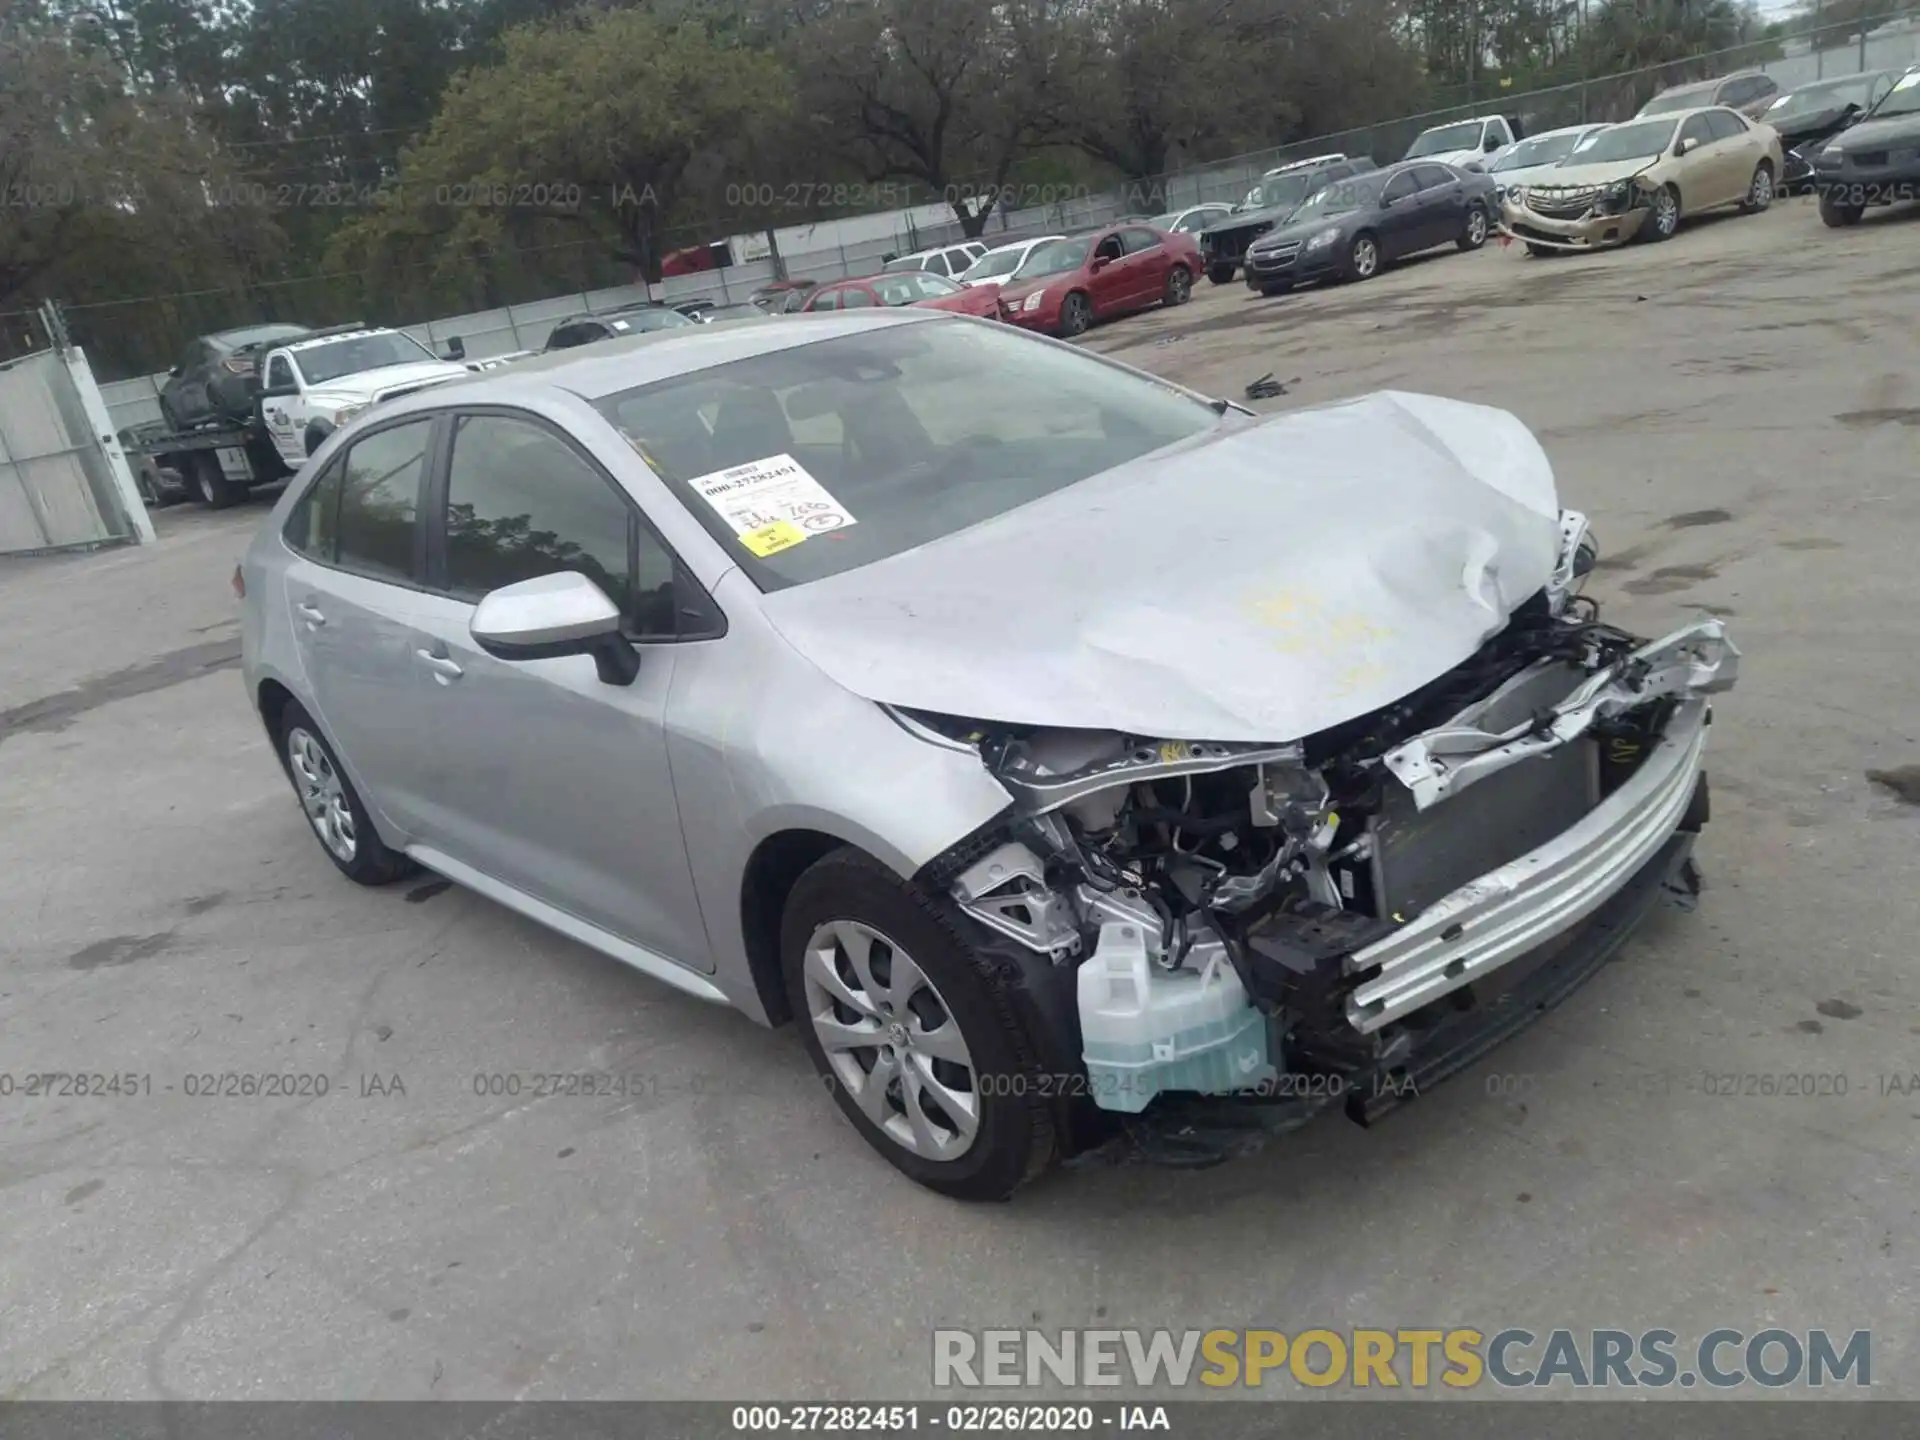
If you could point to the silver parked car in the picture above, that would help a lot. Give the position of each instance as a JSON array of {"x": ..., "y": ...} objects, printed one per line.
[{"x": 1052, "y": 743}]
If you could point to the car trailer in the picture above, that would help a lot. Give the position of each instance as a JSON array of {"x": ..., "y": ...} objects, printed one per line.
[{"x": 216, "y": 465}]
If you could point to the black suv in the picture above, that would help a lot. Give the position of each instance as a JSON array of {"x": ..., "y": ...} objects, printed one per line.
[
  {"x": 627, "y": 320},
  {"x": 1877, "y": 161},
  {"x": 1269, "y": 203},
  {"x": 215, "y": 382}
]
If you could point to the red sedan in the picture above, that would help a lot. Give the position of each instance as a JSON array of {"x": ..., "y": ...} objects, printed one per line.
[
  {"x": 1065, "y": 286},
  {"x": 905, "y": 287}
]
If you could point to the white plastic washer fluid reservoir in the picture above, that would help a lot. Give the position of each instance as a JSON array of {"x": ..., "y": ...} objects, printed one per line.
[{"x": 1145, "y": 1029}]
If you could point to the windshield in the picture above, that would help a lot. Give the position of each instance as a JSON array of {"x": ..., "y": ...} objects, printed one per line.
[
  {"x": 1541, "y": 150},
  {"x": 1056, "y": 258},
  {"x": 1828, "y": 95},
  {"x": 1287, "y": 190},
  {"x": 1903, "y": 99},
  {"x": 1623, "y": 142},
  {"x": 846, "y": 451},
  {"x": 1338, "y": 199},
  {"x": 1464, "y": 136},
  {"x": 904, "y": 262},
  {"x": 363, "y": 352},
  {"x": 1692, "y": 98},
  {"x": 995, "y": 263}
]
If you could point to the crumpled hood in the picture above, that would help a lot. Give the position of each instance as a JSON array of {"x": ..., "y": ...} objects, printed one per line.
[
  {"x": 1604, "y": 172},
  {"x": 356, "y": 389},
  {"x": 1264, "y": 582}
]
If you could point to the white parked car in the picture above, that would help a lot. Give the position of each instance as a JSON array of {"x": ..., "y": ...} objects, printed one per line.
[
  {"x": 1193, "y": 219},
  {"x": 998, "y": 264},
  {"x": 313, "y": 386},
  {"x": 1522, "y": 164},
  {"x": 1466, "y": 144},
  {"x": 951, "y": 261}
]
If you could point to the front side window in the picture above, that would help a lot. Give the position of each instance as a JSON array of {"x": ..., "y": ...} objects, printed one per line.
[
  {"x": 905, "y": 435},
  {"x": 1401, "y": 187},
  {"x": 1696, "y": 130},
  {"x": 379, "y": 499},
  {"x": 1724, "y": 124},
  {"x": 1056, "y": 257},
  {"x": 522, "y": 503},
  {"x": 1433, "y": 176},
  {"x": 279, "y": 373}
]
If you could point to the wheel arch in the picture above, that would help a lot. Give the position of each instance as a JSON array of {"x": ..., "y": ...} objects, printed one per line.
[{"x": 775, "y": 864}]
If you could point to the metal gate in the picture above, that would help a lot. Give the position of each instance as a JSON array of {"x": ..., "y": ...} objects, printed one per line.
[{"x": 64, "y": 482}]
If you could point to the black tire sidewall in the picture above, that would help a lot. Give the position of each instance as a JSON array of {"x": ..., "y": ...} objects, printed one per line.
[
  {"x": 1467, "y": 242},
  {"x": 1015, "y": 1137},
  {"x": 1179, "y": 286},
  {"x": 373, "y": 862},
  {"x": 1076, "y": 302}
]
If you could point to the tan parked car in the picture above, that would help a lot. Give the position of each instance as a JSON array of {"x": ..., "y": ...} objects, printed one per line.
[{"x": 1641, "y": 178}]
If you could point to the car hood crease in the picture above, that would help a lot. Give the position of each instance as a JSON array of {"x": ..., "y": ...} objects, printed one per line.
[{"x": 1264, "y": 583}]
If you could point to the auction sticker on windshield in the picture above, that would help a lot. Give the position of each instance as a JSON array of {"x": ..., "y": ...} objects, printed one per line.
[{"x": 772, "y": 504}]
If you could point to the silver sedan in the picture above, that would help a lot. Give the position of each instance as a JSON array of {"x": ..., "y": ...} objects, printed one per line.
[{"x": 1054, "y": 744}]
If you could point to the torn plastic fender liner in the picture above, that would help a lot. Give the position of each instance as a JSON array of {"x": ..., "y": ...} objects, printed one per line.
[{"x": 1696, "y": 660}]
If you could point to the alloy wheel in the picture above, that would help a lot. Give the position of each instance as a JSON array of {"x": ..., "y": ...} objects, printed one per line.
[
  {"x": 1761, "y": 194},
  {"x": 1366, "y": 257},
  {"x": 1477, "y": 227},
  {"x": 891, "y": 1040},
  {"x": 1666, "y": 213},
  {"x": 322, "y": 795}
]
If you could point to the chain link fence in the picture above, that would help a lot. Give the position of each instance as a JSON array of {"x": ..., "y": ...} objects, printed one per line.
[{"x": 527, "y": 310}]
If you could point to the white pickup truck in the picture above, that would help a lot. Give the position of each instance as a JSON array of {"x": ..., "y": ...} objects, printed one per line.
[
  {"x": 1470, "y": 144},
  {"x": 314, "y": 385}
]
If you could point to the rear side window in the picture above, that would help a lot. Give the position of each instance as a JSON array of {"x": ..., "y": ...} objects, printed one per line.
[
  {"x": 854, "y": 297},
  {"x": 1138, "y": 239},
  {"x": 380, "y": 499},
  {"x": 1724, "y": 124},
  {"x": 313, "y": 527},
  {"x": 522, "y": 503},
  {"x": 1401, "y": 186}
]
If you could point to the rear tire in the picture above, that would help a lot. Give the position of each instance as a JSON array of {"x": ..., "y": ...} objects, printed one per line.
[
  {"x": 1221, "y": 274},
  {"x": 1272, "y": 290},
  {"x": 168, "y": 418},
  {"x": 1838, "y": 214},
  {"x": 210, "y": 483},
  {"x": 332, "y": 806},
  {"x": 850, "y": 921},
  {"x": 317, "y": 434},
  {"x": 1759, "y": 189}
]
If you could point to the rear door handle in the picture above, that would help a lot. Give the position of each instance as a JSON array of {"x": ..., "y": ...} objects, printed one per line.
[
  {"x": 313, "y": 615},
  {"x": 444, "y": 667}
]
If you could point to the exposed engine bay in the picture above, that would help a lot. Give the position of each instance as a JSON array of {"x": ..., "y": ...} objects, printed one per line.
[{"x": 1236, "y": 910}]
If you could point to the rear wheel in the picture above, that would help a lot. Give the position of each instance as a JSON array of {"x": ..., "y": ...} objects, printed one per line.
[
  {"x": 1475, "y": 235},
  {"x": 1179, "y": 286},
  {"x": 1076, "y": 314},
  {"x": 1838, "y": 214},
  {"x": 210, "y": 483},
  {"x": 911, "y": 1028},
  {"x": 1759, "y": 189},
  {"x": 1220, "y": 274},
  {"x": 333, "y": 808}
]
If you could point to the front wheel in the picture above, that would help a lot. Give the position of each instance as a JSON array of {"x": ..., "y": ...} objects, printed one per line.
[
  {"x": 1665, "y": 219},
  {"x": 1076, "y": 314},
  {"x": 1475, "y": 235},
  {"x": 911, "y": 1029},
  {"x": 1759, "y": 190},
  {"x": 1220, "y": 274},
  {"x": 1179, "y": 287},
  {"x": 1363, "y": 257},
  {"x": 1838, "y": 214},
  {"x": 210, "y": 483}
]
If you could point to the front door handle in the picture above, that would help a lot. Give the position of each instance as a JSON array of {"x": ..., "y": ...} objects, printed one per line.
[
  {"x": 312, "y": 614},
  {"x": 444, "y": 667}
]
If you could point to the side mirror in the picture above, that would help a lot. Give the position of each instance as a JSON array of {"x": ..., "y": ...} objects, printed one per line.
[
  {"x": 1100, "y": 262},
  {"x": 1687, "y": 146},
  {"x": 555, "y": 615},
  {"x": 1492, "y": 144},
  {"x": 456, "y": 348},
  {"x": 174, "y": 373},
  {"x": 267, "y": 392}
]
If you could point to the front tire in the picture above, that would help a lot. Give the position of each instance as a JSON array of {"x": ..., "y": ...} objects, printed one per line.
[
  {"x": 171, "y": 420},
  {"x": 332, "y": 806},
  {"x": 1838, "y": 214},
  {"x": 1665, "y": 219},
  {"x": 1475, "y": 235},
  {"x": 1759, "y": 189},
  {"x": 1076, "y": 314},
  {"x": 1179, "y": 287},
  {"x": 1220, "y": 274},
  {"x": 1272, "y": 290},
  {"x": 317, "y": 434},
  {"x": 1363, "y": 257},
  {"x": 909, "y": 1023}
]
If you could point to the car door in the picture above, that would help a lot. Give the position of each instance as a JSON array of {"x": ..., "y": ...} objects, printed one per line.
[
  {"x": 1443, "y": 205},
  {"x": 1146, "y": 261},
  {"x": 1107, "y": 285},
  {"x": 278, "y": 411},
  {"x": 1701, "y": 178},
  {"x": 352, "y": 595},
  {"x": 538, "y": 774},
  {"x": 1400, "y": 216},
  {"x": 1738, "y": 149}
]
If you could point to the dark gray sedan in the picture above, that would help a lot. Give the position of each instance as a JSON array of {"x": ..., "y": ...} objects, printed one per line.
[{"x": 1354, "y": 227}]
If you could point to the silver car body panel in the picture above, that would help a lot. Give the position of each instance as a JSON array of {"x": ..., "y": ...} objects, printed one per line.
[
  {"x": 1696, "y": 660},
  {"x": 1193, "y": 603},
  {"x": 1520, "y": 906}
]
